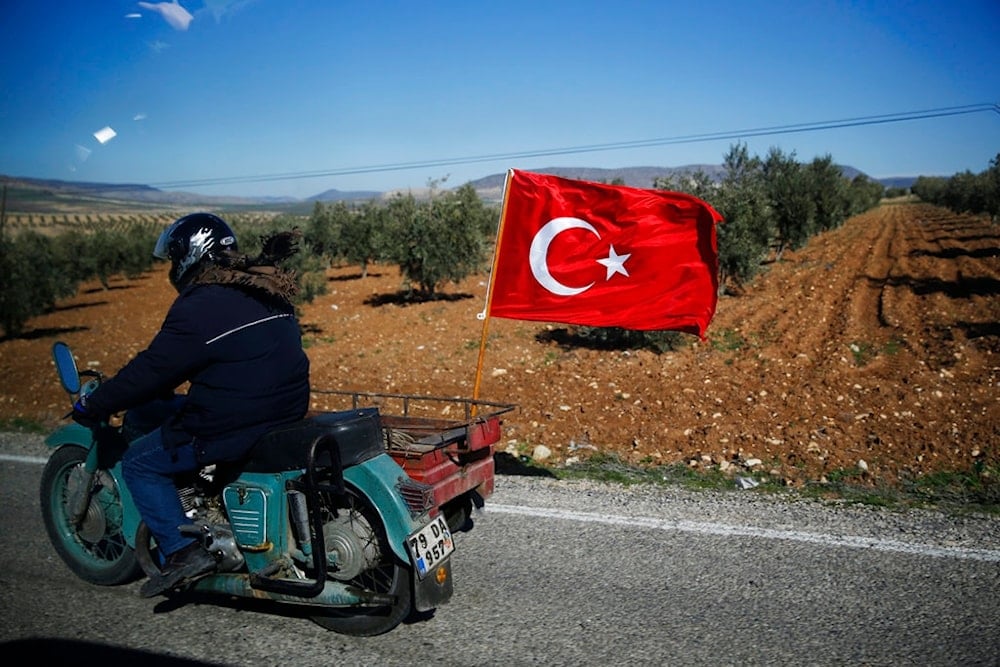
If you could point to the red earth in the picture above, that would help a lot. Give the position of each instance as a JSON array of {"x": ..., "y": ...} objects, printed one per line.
[{"x": 873, "y": 350}]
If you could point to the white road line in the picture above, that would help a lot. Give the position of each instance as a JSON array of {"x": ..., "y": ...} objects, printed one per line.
[
  {"x": 720, "y": 529},
  {"x": 705, "y": 528},
  {"x": 23, "y": 459}
]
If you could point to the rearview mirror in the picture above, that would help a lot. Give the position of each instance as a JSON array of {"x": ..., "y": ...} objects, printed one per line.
[{"x": 66, "y": 367}]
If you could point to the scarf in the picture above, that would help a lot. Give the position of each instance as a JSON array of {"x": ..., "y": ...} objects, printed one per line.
[{"x": 260, "y": 274}]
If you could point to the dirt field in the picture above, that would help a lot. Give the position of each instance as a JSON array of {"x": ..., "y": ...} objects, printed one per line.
[{"x": 874, "y": 351}]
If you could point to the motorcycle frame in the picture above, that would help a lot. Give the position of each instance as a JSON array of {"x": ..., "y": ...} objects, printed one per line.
[{"x": 369, "y": 478}]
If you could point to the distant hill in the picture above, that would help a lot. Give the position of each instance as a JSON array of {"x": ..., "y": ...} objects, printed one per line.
[
  {"x": 41, "y": 195},
  {"x": 898, "y": 181},
  {"x": 491, "y": 187},
  {"x": 638, "y": 177},
  {"x": 340, "y": 195}
]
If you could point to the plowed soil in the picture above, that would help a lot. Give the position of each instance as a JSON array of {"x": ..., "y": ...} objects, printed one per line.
[{"x": 874, "y": 350}]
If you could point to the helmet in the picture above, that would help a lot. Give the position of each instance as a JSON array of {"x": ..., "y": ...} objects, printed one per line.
[{"x": 191, "y": 239}]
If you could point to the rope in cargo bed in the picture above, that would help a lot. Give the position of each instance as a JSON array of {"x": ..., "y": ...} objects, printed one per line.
[{"x": 398, "y": 439}]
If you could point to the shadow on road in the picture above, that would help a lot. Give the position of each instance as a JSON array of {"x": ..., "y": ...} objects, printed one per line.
[{"x": 69, "y": 651}]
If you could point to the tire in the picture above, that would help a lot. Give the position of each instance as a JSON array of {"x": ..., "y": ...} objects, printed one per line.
[
  {"x": 458, "y": 513},
  {"x": 389, "y": 576},
  {"x": 96, "y": 551}
]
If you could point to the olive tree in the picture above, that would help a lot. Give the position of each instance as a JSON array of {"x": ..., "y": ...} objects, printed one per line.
[
  {"x": 437, "y": 241},
  {"x": 745, "y": 236},
  {"x": 362, "y": 235},
  {"x": 792, "y": 207},
  {"x": 32, "y": 279},
  {"x": 829, "y": 192},
  {"x": 323, "y": 231}
]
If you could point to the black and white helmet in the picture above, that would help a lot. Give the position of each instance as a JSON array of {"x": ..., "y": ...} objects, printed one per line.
[{"x": 191, "y": 239}]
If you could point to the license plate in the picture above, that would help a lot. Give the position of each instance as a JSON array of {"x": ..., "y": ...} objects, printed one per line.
[{"x": 430, "y": 545}]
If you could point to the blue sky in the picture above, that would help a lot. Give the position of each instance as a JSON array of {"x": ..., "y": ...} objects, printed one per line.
[{"x": 213, "y": 93}]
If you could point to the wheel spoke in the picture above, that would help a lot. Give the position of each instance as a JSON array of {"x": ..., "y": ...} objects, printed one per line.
[
  {"x": 96, "y": 548},
  {"x": 384, "y": 577}
]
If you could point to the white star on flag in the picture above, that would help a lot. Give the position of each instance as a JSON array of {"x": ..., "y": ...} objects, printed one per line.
[{"x": 615, "y": 263}]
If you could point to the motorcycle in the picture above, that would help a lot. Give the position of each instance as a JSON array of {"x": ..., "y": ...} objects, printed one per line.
[{"x": 318, "y": 515}]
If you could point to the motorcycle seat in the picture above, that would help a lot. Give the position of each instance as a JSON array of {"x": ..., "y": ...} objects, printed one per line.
[{"x": 357, "y": 435}]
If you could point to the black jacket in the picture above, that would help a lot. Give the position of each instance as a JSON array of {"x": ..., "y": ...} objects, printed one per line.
[{"x": 243, "y": 358}]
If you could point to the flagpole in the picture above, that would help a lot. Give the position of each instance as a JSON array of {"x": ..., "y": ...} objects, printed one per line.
[{"x": 485, "y": 314}]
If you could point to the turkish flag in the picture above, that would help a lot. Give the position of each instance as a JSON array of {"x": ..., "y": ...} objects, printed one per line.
[{"x": 604, "y": 256}]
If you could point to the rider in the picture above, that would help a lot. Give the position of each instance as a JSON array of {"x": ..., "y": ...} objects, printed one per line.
[{"x": 233, "y": 335}]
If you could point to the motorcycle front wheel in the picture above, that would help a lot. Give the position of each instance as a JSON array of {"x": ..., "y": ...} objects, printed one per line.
[
  {"x": 384, "y": 575},
  {"x": 95, "y": 549}
]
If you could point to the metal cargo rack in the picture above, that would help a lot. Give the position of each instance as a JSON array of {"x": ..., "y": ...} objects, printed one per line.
[{"x": 419, "y": 423}]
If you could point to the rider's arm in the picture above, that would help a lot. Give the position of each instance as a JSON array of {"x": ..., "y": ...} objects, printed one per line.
[{"x": 174, "y": 354}]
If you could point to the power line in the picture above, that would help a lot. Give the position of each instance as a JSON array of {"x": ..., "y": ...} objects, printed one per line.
[{"x": 593, "y": 148}]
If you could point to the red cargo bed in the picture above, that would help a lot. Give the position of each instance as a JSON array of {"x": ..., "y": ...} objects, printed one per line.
[{"x": 445, "y": 442}]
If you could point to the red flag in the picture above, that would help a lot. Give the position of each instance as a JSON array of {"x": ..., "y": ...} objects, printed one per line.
[{"x": 605, "y": 256}]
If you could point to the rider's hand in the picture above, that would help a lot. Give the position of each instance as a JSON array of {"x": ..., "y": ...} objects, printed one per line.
[{"x": 83, "y": 416}]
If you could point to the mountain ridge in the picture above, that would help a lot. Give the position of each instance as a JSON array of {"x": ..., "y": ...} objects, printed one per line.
[{"x": 24, "y": 190}]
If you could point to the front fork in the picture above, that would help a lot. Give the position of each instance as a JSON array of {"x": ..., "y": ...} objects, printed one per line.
[{"x": 80, "y": 502}]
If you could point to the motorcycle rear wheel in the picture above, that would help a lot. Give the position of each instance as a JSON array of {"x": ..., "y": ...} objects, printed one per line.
[
  {"x": 96, "y": 550},
  {"x": 388, "y": 577}
]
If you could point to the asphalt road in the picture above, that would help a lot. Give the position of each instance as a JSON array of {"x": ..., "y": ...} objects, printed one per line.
[{"x": 558, "y": 573}]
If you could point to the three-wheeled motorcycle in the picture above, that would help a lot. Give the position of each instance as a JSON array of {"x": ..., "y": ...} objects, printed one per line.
[{"x": 319, "y": 515}]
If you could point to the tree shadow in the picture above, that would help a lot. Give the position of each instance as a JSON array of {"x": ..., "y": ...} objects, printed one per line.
[
  {"x": 567, "y": 340},
  {"x": 310, "y": 328},
  {"x": 111, "y": 288},
  {"x": 507, "y": 464},
  {"x": 37, "y": 334},
  {"x": 413, "y": 297},
  {"x": 612, "y": 339},
  {"x": 353, "y": 276},
  {"x": 77, "y": 306}
]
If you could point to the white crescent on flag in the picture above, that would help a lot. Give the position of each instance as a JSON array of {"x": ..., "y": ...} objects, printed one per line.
[{"x": 538, "y": 256}]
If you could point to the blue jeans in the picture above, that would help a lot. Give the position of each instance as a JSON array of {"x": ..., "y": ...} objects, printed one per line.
[{"x": 149, "y": 469}]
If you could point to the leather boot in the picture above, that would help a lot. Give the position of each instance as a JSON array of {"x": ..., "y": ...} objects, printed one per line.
[{"x": 181, "y": 567}]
